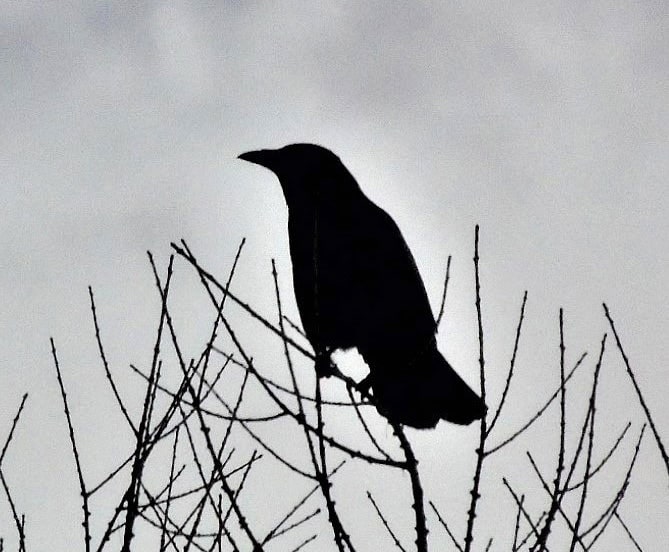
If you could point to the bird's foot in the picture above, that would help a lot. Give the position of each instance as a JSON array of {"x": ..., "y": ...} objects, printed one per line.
[{"x": 364, "y": 385}]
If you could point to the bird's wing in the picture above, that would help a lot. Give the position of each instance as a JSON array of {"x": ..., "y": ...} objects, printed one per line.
[{"x": 397, "y": 306}]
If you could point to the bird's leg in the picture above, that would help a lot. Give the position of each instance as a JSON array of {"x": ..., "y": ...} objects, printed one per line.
[{"x": 324, "y": 367}]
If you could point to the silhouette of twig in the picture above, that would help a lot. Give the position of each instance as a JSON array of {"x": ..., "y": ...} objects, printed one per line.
[
  {"x": 443, "y": 294},
  {"x": 142, "y": 432},
  {"x": 627, "y": 531},
  {"x": 341, "y": 536},
  {"x": 12, "y": 506},
  {"x": 514, "y": 546},
  {"x": 295, "y": 326},
  {"x": 302, "y": 418},
  {"x": 556, "y": 505},
  {"x": 385, "y": 523},
  {"x": 600, "y": 525},
  {"x": 165, "y": 518},
  {"x": 204, "y": 275},
  {"x": 75, "y": 451},
  {"x": 15, "y": 422},
  {"x": 480, "y": 451},
  {"x": 276, "y": 530},
  {"x": 212, "y": 337},
  {"x": 205, "y": 430},
  {"x": 519, "y": 503},
  {"x": 588, "y": 458},
  {"x": 105, "y": 363},
  {"x": 19, "y": 523},
  {"x": 411, "y": 466},
  {"x": 539, "y": 412},
  {"x": 642, "y": 401},
  {"x": 509, "y": 376},
  {"x": 556, "y": 495},
  {"x": 445, "y": 526},
  {"x": 365, "y": 426},
  {"x": 604, "y": 460}
]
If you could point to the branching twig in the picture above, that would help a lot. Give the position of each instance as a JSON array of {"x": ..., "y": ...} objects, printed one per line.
[{"x": 539, "y": 412}]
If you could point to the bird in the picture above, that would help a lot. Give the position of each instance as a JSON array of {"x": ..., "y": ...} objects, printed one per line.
[{"x": 357, "y": 285}]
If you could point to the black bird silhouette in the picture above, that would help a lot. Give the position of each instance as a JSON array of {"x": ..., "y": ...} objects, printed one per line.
[{"x": 357, "y": 285}]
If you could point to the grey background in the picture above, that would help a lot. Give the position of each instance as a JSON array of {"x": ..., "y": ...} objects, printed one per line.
[{"x": 546, "y": 124}]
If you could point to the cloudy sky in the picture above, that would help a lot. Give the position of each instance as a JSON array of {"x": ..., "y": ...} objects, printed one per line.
[{"x": 544, "y": 123}]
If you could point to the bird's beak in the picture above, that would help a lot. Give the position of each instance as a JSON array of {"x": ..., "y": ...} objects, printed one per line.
[{"x": 265, "y": 158}]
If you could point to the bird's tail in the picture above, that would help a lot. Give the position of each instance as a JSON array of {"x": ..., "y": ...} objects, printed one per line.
[{"x": 427, "y": 392}]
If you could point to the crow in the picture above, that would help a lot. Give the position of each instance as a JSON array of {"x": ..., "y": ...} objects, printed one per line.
[{"x": 357, "y": 285}]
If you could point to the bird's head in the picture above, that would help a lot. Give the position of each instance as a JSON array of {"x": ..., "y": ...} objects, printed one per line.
[{"x": 307, "y": 172}]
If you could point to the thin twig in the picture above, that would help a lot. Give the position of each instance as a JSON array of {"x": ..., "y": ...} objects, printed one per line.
[
  {"x": 539, "y": 412},
  {"x": 298, "y": 523},
  {"x": 480, "y": 451},
  {"x": 627, "y": 531},
  {"x": 591, "y": 437},
  {"x": 445, "y": 526},
  {"x": 205, "y": 430},
  {"x": 15, "y": 515},
  {"x": 169, "y": 492},
  {"x": 212, "y": 336},
  {"x": 651, "y": 422},
  {"x": 519, "y": 503},
  {"x": 512, "y": 364},
  {"x": 556, "y": 495},
  {"x": 105, "y": 364},
  {"x": 365, "y": 425},
  {"x": 249, "y": 365},
  {"x": 11, "y": 430},
  {"x": 607, "y": 515},
  {"x": 77, "y": 462},
  {"x": 604, "y": 460},
  {"x": 341, "y": 537},
  {"x": 385, "y": 523},
  {"x": 142, "y": 432},
  {"x": 558, "y": 505},
  {"x": 443, "y": 294},
  {"x": 416, "y": 488},
  {"x": 185, "y": 253},
  {"x": 295, "y": 326},
  {"x": 304, "y": 543},
  {"x": 302, "y": 417},
  {"x": 277, "y": 528},
  {"x": 514, "y": 548}
]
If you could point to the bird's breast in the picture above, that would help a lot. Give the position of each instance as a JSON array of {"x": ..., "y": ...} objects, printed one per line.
[{"x": 323, "y": 255}]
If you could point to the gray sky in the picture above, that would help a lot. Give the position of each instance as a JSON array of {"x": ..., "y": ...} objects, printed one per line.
[{"x": 546, "y": 124}]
